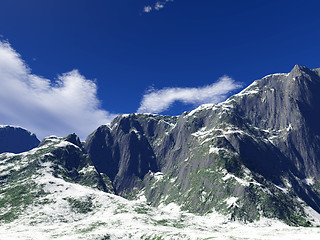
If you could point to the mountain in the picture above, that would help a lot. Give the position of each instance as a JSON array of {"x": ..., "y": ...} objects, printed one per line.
[
  {"x": 254, "y": 155},
  {"x": 54, "y": 191},
  {"x": 247, "y": 165},
  {"x": 16, "y": 139}
]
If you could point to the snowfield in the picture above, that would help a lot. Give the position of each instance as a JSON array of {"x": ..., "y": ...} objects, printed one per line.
[
  {"x": 68, "y": 211},
  {"x": 107, "y": 216}
]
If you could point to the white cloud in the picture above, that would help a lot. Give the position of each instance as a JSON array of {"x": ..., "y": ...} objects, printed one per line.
[
  {"x": 156, "y": 101},
  {"x": 159, "y": 5},
  {"x": 69, "y": 104},
  {"x": 147, "y": 9},
  {"x": 156, "y": 6}
]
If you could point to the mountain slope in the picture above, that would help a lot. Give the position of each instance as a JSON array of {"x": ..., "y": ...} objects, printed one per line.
[
  {"x": 252, "y": 156},
  {"x": 24, "y": 182},
  {"x": 54, "y": 192}
]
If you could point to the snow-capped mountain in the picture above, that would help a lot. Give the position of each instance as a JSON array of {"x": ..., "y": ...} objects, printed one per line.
[{"x": 248, "y": 165}]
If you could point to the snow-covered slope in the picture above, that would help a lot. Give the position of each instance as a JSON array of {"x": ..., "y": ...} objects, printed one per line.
[{"x": 40, "y": 201}]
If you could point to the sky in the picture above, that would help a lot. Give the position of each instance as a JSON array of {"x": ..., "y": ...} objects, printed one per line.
[{"x": 70, "y": 66}]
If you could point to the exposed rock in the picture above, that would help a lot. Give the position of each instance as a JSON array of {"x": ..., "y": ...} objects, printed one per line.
[{"x": 264, "y": 137}]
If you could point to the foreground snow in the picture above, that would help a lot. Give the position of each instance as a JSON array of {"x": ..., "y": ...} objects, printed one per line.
[
  {"x": 65, "y": 210},
  {"x": 107, "y": 216}
]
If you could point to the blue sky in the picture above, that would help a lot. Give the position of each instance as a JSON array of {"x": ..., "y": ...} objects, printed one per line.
[{"x": 185, "y": 48}]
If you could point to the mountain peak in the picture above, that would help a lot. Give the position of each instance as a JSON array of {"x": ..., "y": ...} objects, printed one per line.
[
  {"x": 299, "y": 70},
  {"x": 73, "y": 138}
]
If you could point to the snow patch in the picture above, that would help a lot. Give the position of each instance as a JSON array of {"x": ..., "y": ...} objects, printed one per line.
[
  {"x": 232, "y": 202},
  {"x": 200, "y": 108},
  {"x": 308, "y": 181},
  {"x": 314, "y": 216},
  {"x": 63, "y": 144},
  {"x": 282, "y": 188},
  {"x": 88, "y": 169},
  {"x": 215, "y": 150}
]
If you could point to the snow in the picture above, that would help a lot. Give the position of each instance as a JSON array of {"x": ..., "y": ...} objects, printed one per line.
[
  {"x": 171, "y": 208},
  {"x": 229, "y": 130},
  {"x": 8, "y": 168},
  {"x": 214, "y": 150},
  {"x": 276, "y": 74},
  {"x": 172, "y": 180},
  {"x": 138, "y": 134},
  {"x": 63, "y": 144},
  {"x": 239, "y": 180},
  {"x": 52, "y": 138},
  {"x": 117, "y": 217},
  {"x": 282, "y": 188},
  {"x": 308, "y": 181},
  {"x": 232, "y": 202},
  {"x": 289, "y": 127},
  {"x": 314, "y": 216},
  {"x": 248, "y": 92},
  {"x": 87, "y": 169},
  {"x": 172, "y": 125},
  {"x": 158, "y": 176},
  {"x": 7, "y": 154},
  {"x": 202, "y": 132},
  {"x": 200, "y": 108},
  {"x": 244, "y": 182},
  {"x": 253, "y": 89}
]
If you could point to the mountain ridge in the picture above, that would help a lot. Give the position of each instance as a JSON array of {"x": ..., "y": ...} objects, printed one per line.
[{"x": 259, "y": 122}]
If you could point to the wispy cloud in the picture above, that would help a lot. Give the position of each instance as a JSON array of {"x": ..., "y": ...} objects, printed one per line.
[
  {"x": 157, "y": 101},
  {"x": 68, "y": 104},
  {"x": 156, "y": 6}
]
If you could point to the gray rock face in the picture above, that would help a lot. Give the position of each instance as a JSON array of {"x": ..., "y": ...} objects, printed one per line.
[
  {"x": 254, "y": 155},
  {"x": 16, "y": 139},
  {"x": 288, "y": 104},
  {"x": 125, "y": 152},
  {"x": 69, "y": 162}
]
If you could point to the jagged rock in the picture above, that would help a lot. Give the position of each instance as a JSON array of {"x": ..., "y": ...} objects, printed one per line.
[
  {"x": 243, "y": 149},
  {"x": 124, "y": 151}
]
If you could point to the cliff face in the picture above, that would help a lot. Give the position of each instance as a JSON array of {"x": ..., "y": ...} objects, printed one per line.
[
  {"x": 256, "y": 154},
  {"x": 287, "y": 107},
  {"x": 126, "y": 151}
]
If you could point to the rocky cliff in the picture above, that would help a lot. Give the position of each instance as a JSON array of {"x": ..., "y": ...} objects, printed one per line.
[{"x": 254, "y": 155}]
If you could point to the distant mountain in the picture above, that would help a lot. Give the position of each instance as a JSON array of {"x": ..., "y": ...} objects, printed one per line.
[
  {"x": 253, "y": 158},
  {"x": 16, "y": 139}
]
